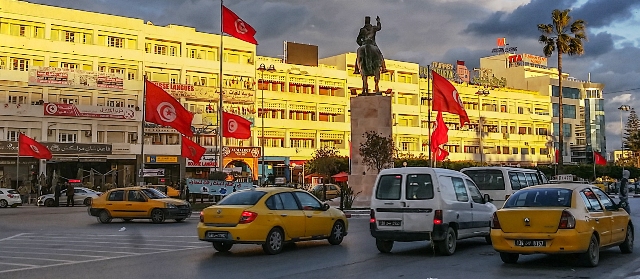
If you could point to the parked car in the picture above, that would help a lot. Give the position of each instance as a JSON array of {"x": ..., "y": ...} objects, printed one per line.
[
  {"x": 81, "y": 195},
  {"x": 9, "y": 197},
  {"x": 419, "y": 203},
  {"x": 168, "y": 190},
  {"x": 138, "y": 203},
  {"x": 271, "y": 217},
  {"x": 561, "y": 218},
  {"x": 333, "y": 191}
]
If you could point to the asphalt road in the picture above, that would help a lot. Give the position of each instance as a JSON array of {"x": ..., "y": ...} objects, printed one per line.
[{"x": 67, "y": 243}]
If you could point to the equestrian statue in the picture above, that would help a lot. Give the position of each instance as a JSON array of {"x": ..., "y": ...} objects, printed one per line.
[{"x": 369, "y": 61}]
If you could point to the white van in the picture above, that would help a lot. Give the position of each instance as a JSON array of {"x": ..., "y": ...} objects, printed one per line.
[
  {"x": 501, "y": 182},
  {"x": 419, "y": 203}
]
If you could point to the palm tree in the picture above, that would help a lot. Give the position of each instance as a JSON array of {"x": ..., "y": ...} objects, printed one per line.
[{"x": 557, "y": 37}]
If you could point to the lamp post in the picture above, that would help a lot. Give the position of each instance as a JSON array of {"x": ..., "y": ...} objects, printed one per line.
[
  {"x": 482, "y": 92},
  {"x": 271, "y": 69},
  {"x": 622, "y": 108}
]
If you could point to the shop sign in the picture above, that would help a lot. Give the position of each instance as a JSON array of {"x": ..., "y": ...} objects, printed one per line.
[
  {"x": 210, "y": 94},
  {"x": 216, "y": 187},
  {"x": 205, "y": 161},
  {"x": 241, "y": 152},
  {"x": 62, "y": 148},
  {"x": 75, "y": 78},
  {"x": 161, "y": 159},
  {"x": 151, "y": 172},
  {"x": 446, "y": 70},
  {"x": 88, "y": 111},
  {"x": 64, "y": 159},
  {"x": 94, "y": 160}
]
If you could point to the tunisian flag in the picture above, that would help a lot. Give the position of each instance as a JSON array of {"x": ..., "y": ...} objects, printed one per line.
[
  {"x": 235, "y": 26},
  {"x": 447, "y": 99},
  {"x": 599, "y": 159},
  {"x": 439, "y": 137},
  {"x": 441, "y": 154},
  {"x": 235, "y": 126},
  {"x": 557, "y": 155},
  {"x": 161, "y": 108},
  {"x": 29, "y": 147},
  {"x": 192, "y": 150}
]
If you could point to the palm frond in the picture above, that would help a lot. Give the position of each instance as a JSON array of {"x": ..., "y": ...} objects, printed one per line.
[
  {"x": 549, "y": 49},
  {"x": 545, "y": 28}
]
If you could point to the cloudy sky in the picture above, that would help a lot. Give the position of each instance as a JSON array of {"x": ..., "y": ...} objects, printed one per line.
[{"x": 423, "y": 31}]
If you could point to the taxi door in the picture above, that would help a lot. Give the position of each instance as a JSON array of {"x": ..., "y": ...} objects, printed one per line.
[
  {"x": 319, "y": 222},
  {"x": 136, "y": 204},
  {"x": 289, "y": 213},
  {"x": 597, "y": 217},
  {"x": 619, "y": 216},
  {"x": 116, "y": 204}
]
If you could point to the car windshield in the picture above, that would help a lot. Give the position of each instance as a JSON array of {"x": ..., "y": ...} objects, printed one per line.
[
  {"x": 242, "y": 198},
  {"x": 153, "y": 194},
  {"x": 487, "y": 179},
  {"x": 540, "y": 197}
]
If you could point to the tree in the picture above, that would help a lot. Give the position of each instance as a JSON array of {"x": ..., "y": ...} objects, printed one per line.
[
  {"x": 632, "y": 136},
  {"x": 325, "y": 161},
  {"x": 557, "y": 37},
  {"x": 377, "y": 151}
]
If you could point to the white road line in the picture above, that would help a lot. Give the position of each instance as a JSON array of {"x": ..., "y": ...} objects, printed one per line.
[
  {"x": 90, "y": 241},
  {"x": 27, "y": 265},
  {"x": 119, "y": 239},
  {"x": 57, "y": 254},
  {"x": 31, "y": 258},
  {"x": 23, "y": 248},
  {"x": 11, "y": 237},
  {"x": 105, "y": 235}
]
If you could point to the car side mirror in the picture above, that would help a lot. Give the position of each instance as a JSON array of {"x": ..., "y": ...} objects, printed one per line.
[
  {"x": 622, "y": 204},
  {"x": 487, "y": 198},
  {"x": 325, "y": 206}
]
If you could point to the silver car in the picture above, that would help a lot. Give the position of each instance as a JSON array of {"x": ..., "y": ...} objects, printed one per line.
[{"x": 81, "y": 195}]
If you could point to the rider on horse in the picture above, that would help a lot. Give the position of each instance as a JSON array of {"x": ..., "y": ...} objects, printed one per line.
[{"x": 367, "y": 36}]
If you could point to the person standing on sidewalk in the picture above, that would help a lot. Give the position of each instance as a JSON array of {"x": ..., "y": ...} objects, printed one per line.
[
  {"x": 70, "y": 193},
  {"x": 24, "y": 193},
  {"x": 623, "y": 192}
]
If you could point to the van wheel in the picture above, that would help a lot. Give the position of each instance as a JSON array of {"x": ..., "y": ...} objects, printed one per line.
[
  {"x": 509, "y": 258},
  {"x": 384, "y": 246},
  {"x": 592, "y": 256},
  {"x": 488, "y": 239},
  {"x": 627, "y": 246},
  {"x": 447, "y": 246}
]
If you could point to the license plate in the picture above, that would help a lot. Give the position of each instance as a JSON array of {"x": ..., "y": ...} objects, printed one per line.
[
  {"x": 217, "y": 235},
  {"x": 394, "y": 223},
  {"x": 530, "y": 243}
]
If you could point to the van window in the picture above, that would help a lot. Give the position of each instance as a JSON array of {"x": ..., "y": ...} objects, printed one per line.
[
  {"x": 541, "y": 197},
  {"x": 460, "y": 189},
  {"x": 419, "y": 187},
  {"x": 515, "y": 183},
  {"x": 389, "y": 187},
  {"x": 523, "y": 180},
  {"x": 475, "y": 193},
  {"x": 530, "y": 179},
  {"x": 487, "y": 179}
]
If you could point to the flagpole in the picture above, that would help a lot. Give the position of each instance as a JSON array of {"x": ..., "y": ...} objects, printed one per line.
[
  {"x": 429, "y": 102},
  {"x": 144, "y": 109},
  {"x": 220, "y": 123},
  {"x": 18, "y": 163}
]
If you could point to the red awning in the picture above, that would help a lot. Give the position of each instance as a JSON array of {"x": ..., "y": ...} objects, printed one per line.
[{"x": 340, "y": 177}]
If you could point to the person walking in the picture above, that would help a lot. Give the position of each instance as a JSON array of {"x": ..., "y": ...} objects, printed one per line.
[
  {"x": 56, "y": 195},
  {"x": 70, "y": 193},
  {"x": 24, "y": 193},
  {"x": 623, "y": 192}
]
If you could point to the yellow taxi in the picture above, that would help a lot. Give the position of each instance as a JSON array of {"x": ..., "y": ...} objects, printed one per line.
[
  {"x": 271, "y": 217},
  {"x": 561, "y": 218},
  {"x": 138, "y": 203},
  {"x": 168, "y": 190}
]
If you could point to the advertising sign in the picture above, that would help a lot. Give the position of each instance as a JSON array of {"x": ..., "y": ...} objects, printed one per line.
[
  {"x": 75, "y": 78},
  {"x": 210, "y": 94},
  {"x": 209, "y": 161},
  {"x": 152, "y": 172},
  {"x": 161, "y": 159},
  {"x": 11, "y": 147},
  {"x": 88, "y": 111},
  {"x": 216, "y": 187}
]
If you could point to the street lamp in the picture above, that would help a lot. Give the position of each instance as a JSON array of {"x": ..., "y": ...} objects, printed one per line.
[
  {"x": 622, "y": 108},
  {"x": 481, "y": 92},
  {"x": 271, "y": 69}
]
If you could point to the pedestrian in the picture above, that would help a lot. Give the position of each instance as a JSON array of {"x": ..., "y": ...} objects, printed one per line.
[
  {"x": 56, "y": 194},
  {"x": 24, "y": 193},
  {"x": 623, "y": 192},
  {"x": 70, "y": 193}
]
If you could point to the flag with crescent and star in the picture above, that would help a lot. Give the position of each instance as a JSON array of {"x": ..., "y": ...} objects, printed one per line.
[
  {"x": 447, "y": 99},
  {"x": 163, "y": 109},
  {"x": 30, "y": 147},
  {"x": 235, "y": 126},
  {"x": 439, "y": 137},
  {"x": 192, "y": 150},
  {"x": 235, "y": 26}
]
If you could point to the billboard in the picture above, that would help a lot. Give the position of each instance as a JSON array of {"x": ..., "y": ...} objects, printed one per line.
[
  {"x": 75, "y": 78},
  {"x": 72, "y": 110},
  {"x": 301, "y": 54}
]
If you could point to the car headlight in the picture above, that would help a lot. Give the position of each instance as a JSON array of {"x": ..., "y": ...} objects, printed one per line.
[{"x": 170, "y": 205}]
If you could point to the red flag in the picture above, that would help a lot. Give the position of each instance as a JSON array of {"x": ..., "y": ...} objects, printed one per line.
[
  {"x": 447, "y": 99},
  {"x": 161, "y": 108},
  {"x": 439, "y": 135},
  {"x": 441, "y": 154},
  {"x": 192, "y": 150},
  {"x": 235, "y": 26},
  {"x": 29, "y": 147},
  {"x": 599, "y": 159},
  {"x": 235, "y": 126},
  {"x": 557, "y": 155}
]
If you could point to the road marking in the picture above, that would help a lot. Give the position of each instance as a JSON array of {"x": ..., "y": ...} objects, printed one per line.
[
  {"x": 56, "y": 254},
  {"x": 32, "y": 258},
  {"x": 28, "y": 265},
  {"x": 102, "y": 242},
  {"x": 112, "y": 252},
  {"x": 12, "y": 237},
  {"x": 111, "y": 235}
]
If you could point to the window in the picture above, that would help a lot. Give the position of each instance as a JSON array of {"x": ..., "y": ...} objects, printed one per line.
[
  {"x": 242, "y": 198},
  {"x": 460, "y": 189},
  {"x": 116, "y": 42},
  {"x": 13, "y": 135},
  {"x": 566, "y": 131},
  {"x": 13, "y": 99},
  {"x": 135, "y": 196},
  {"x": 590, "y": 200},
  {"x": 20, "y": 64},
  {"x": 571, "y": 93},
  {"x": 474, "y": 192},
  {"x": 389, "y": 187},
  {"x": 568, "y": 111},
  {"x": 68, "y": 65},
  {"x": 131, "y": 75},
  {"x": 67, "y": 137},
  {"x": 274, "y": 203},
  {"x": 487, "y": 179},
  {"x": 173, "y": 51},
  {"x": 532, "y": 179},
  {"x": 116, "y": 195},
  {"x": 115, "y": 103},
  {"x": 533, "y": 151},
  {"x": 419, "y": 187},
  {"x": 192, "y": 53},
  {"x": 160, "y": 49},
  {"x": 288, "y": 201},
  {"x": 514, "y": 150},
  {"x": 307, "y": 201},
  {"x": 515, "y": 182},
  {"x": 605, "y": 200},
  {"x": 86, "y": 39},
  {"x": 524, "y": 151},
  {"x": 23, "y": 31},
  {"x": 543, "y": 197},
  {"x": 544, "y": 151},
  {"x": 68, "y": 100},
  {"x": 69, "y": 36},
  {"x": 114, "y": 70}
]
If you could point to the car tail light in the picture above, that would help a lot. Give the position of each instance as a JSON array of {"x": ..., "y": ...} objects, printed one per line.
[
  {"x": 202, "y": 216},
  {"x": 495, "y": 223},
  {"x": 437, "y": 217},
  {"x": 372, "y": 215},
  {"x": 10, "y": 196},
  {"x": 247, "y": 217},
  {"x": 567, "y": 221}
]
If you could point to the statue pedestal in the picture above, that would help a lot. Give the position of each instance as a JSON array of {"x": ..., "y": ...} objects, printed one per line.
[{"x": 368, "y": 113}]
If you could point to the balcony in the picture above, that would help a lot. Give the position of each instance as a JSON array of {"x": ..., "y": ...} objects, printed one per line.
[
  {"x": 296, "y": 152},
  {"x": 288, "y": 96},
  {"x": 305, "y": 124}
]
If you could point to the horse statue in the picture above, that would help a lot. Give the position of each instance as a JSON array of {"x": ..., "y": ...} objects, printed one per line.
[{"x": 369, "y": 61}]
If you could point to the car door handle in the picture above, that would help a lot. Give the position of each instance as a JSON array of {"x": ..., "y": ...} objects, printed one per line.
[
  {"x": 129, "y": 204},
  {"x": 109, "y": 204},
  {"x": 597, "y": 219},
  {"x": 309, "y": 216},
  {"x": 471, "y": 205},
  {"x": 283, "y": 215}
]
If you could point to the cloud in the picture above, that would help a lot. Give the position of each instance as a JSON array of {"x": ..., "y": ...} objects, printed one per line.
[{"x": 622, "y": 99}]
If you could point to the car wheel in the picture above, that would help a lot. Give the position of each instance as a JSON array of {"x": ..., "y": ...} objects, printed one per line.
[
  {"x": 488, "y": 239},
  {"x": 157, "y": 216},
  {"x": 337, "y": 233},
  {"x": 48, "y": 203},
  {"x": 126, "y": 220},
  {"x": 3, "y": 203},
  {"x": 274, "y": 243},
  {"x": 104, "y": 217},
  {"x": 222, "y": 246},
  {"x": 509, "y": 258},
  {"x": 179, "y": 220},
  {"x": 384, "y": 246},
  {"x": 447, "y": 246},
  {"x": 627, "y": 246},
  {"x": 87, "y": 202},
  {"x": 592, "y": 256}
]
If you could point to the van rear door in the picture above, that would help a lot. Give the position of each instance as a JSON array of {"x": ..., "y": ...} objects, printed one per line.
[
  {"x": 419, "y": 204},
  {"x": 387, "y": 203}
]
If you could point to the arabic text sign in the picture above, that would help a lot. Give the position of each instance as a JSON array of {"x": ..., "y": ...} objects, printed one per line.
[
  {"x": 75, "y": 78},
  {"x": 88, "y": 111},
  {"x": 216, "y": 187}
]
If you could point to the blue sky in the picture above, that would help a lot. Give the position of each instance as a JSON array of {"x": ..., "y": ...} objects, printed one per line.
[{"x": 423, "y": 31}]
